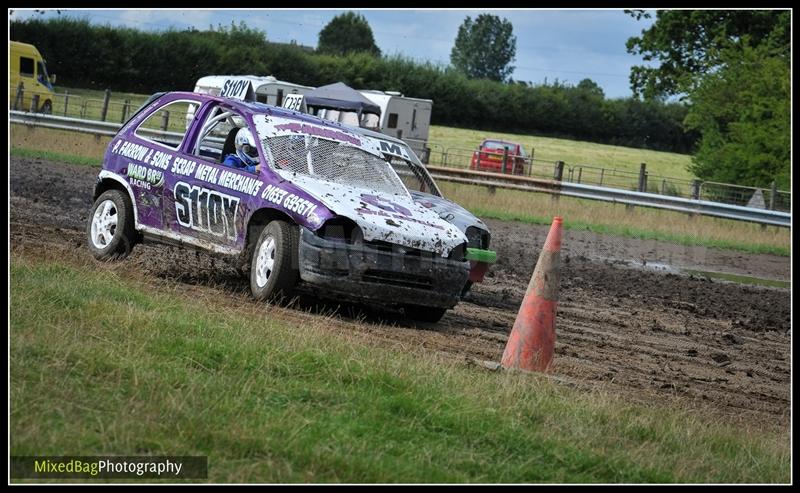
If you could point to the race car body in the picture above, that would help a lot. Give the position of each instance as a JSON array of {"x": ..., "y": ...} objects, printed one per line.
[{"x": 319, "y": 205}]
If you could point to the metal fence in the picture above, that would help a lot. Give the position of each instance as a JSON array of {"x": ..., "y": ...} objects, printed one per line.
[
  {"x": 642, "y": 181},
  {"x": 102, "y": 110},
  {"x": 490, "y": 161},
  {"x": 72, "y": 105}
]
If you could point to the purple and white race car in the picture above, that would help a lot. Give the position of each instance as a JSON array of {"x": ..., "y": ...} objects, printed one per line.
[{"x": 324, "y": 209}]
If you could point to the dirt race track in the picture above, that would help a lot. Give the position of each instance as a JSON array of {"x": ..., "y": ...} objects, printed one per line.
[{"x": 645, "y": 334}]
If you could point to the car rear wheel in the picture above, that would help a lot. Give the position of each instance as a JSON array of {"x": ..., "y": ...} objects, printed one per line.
[
  {"x": 424, "y": 313},
  {"x": 111, "y": 233},
  {"x": 273, "y": 271}
]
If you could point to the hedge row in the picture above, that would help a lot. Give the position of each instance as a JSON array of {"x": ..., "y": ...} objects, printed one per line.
[{"x": 124, "y": 59}]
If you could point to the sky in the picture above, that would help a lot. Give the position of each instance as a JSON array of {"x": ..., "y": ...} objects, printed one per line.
[{"x": 568, "y": 45}]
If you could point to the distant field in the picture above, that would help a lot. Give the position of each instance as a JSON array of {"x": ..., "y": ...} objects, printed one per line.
[
  {"x": 88, "y": 104},
  {"x": 100, "y": 94},
  {"x": 572, "y": 152}
]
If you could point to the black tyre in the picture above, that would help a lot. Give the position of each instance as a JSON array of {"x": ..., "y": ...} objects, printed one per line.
[
  {"x": 273, "y": 271},
  {"x": 465, "y": 290},
  {"x": 47, "y": 108},
  {"x": 111, "y": 232},
  {"x": 424, "y": 313}
]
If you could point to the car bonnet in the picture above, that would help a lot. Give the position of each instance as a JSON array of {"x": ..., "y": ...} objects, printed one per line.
[
  {"x": 449, "y": 211},
  {"x": 392, "y": 218}
]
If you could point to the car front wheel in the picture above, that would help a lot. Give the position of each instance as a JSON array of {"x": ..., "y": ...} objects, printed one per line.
[
  {"x": 111, "y": 232},
  {"x": 273, "y": 274}
]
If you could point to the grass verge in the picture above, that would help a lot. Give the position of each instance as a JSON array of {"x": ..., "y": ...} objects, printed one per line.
[
  {"x": 637, "y": 233},
  {"x": 55, "y": 156},
  {"x": 102, "y": 363},
  {"x": 615, "y": 219},
  {"x": 62, "y": 142}
]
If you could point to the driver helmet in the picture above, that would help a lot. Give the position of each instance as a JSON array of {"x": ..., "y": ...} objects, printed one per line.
[{"x": 246, "y": 147}]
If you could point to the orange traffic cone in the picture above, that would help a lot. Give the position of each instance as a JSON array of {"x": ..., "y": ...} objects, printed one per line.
[{"x": 532, "y": 341}]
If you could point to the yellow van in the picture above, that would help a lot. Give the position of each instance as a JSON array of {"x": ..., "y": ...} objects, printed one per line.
[{"x": 26, "y": 66}]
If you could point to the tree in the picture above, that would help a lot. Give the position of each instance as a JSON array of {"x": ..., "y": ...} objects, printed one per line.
[
  {"x": 590, "y": 87},
  {"x": 733, "y": 68},
  {"x": 347, "y": 33},
  {"x": 484, "y": 48},
  {"x": 688, "y": 45},
  {"x": 743, "y": 112}
]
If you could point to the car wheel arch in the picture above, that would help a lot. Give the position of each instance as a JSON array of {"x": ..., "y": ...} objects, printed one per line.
[
  {"x": 109, "y": 181},
  {"x": 261, "y": 217},
  {"x": 257, "y": 221}
]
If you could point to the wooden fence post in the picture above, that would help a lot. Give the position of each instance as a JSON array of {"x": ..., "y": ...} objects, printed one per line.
[
  {"x": 643, "y": 177},
  {"x": 773, "y": 192},
  {"x": 559, "y": 171},
  {"x": 696, "y": 189},
  {"x": 165, "y": 121},
  {"x": 558, "y": 175},
  {"x": 104, "y": 112},
  {"x": 695, "y": 194},
  {"x": 125, "y": 111}
]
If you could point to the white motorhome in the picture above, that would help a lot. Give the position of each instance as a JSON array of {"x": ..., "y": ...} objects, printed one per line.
[
  {"x": 267, "y": 89},
  {"x": 405, "y": 118},
  {"x": 408, "y": 119}
]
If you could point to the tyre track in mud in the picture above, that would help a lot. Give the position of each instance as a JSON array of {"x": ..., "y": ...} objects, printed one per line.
[{"x": 646, "y": 335}]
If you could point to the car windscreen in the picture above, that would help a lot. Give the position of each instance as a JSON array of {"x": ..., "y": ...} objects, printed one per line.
[
  {"x": 332, "y": 160},
  {"x": 414, "y": 177},
  {"x": 498, "y": 146}
]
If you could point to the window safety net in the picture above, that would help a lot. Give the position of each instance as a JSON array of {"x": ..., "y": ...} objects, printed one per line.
[{"x": 333, "y": 161}]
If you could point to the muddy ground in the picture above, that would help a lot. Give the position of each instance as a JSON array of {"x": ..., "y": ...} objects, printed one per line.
[{"x": 644, "y": 334}]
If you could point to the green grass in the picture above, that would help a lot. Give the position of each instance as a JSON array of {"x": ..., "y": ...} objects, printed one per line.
[
  {"x": 100, "y": 94},
  {"x": 572, "y": 152},
  {"x": 602, "y": 217},
  {"x": 56, "y": 156},
  {"x": 633, "y": 232},
  {"x": 106, "y": 364}
]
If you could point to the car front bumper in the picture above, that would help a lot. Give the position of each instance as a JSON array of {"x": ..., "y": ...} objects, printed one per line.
[
  {"x": 479, "y": 261},
  {"x": 389, "y": 275}
]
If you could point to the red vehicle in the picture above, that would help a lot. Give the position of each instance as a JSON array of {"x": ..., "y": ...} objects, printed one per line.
[{"x": 490, "y": 155}]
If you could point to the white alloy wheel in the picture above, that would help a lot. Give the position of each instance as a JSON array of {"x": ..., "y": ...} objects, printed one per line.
[
  {"x": 104, "y": 224},
  {"x": 265, "y": 262}
]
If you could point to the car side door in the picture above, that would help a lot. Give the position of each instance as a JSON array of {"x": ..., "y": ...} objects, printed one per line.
[
  {"x": 140, "y": 156},
  {"x": 208, "y": 201}
]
